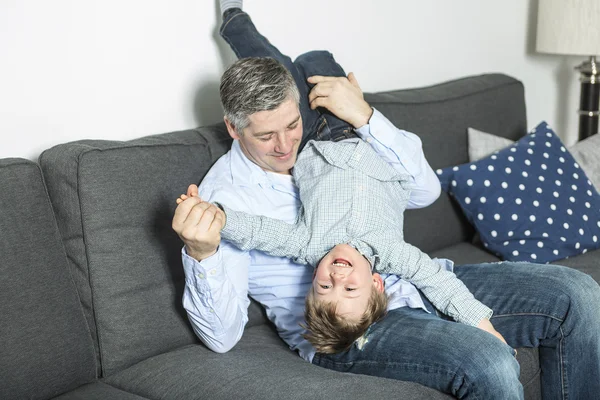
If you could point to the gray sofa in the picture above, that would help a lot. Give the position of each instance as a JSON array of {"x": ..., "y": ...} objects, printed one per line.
[{"x": 91, "y": 278}]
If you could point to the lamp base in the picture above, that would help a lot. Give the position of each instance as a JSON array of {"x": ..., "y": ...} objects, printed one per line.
[{"x": 589, "y": 107}]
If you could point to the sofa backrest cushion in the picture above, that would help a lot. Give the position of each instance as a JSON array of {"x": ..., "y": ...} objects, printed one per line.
[
  {"x": 114, "y": 203},
  {"x": 45, "y": 345},
  {"x": 440, "y": 115}
]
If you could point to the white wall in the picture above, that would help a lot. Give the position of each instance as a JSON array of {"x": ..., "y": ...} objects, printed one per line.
[{"x": 75, "y": 69}]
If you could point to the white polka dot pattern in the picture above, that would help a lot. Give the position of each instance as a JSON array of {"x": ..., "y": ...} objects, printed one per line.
[{"x": 547, "y": 208}]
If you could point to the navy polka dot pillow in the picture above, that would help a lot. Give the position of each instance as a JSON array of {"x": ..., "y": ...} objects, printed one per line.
[{"x": 530, "y": 201}]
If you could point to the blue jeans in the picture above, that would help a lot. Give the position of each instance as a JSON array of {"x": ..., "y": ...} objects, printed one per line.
[
  {"x": 554, "y": 308},
  {"x": 245, "y": 41}
]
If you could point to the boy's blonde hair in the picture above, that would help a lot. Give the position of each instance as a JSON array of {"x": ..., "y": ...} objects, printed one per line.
[{"x": 330, "y": 333}]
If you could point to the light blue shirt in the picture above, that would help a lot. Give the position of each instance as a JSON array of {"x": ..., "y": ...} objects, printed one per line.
[{"x": 217, "y": 288}]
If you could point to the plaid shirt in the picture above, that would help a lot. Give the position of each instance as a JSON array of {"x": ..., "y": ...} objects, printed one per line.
[{"x": 350, "y": 195}]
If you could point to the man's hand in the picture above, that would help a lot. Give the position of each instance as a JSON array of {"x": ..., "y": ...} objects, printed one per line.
[
  {"x": 342, "y": 96},
  {"x": 198, "y": 224}
]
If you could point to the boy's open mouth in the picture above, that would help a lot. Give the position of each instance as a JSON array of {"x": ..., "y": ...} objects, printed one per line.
[{"x": 340, "y": 262}]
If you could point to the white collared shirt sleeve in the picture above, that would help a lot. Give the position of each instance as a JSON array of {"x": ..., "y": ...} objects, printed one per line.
[
  {"x": 216, "y": 296},
  {"x": 403, "y": 151}
]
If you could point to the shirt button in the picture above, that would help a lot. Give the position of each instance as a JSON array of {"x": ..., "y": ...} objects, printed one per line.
[
  {"x": 369, "y": 140},
  {"x": 213, "y": 271},
  {"x": 212, "y": 311},
  {"x": 201, "y": 276}
]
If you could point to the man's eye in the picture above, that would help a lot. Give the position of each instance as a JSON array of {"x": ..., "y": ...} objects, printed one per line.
[
  {"x": 265, "y": 139},
  {"x": 350, "y": 289},
  {"x": 326, "y": 286},
  {"x": 293, "y": 126}
]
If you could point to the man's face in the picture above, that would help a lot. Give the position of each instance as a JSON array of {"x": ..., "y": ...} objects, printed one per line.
[
  {"x": 344, "y": 277},
  {"x": 272, "y": 139}
]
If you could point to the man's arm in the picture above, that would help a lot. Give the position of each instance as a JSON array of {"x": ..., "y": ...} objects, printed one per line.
[
  {"x": 215, "y": 296},
  {"x": 402, "y": 149},
  {"x": 216, "y": 275}
]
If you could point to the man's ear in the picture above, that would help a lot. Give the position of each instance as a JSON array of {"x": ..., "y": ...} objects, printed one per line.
[
  {"x": 378, "y": 282},
  {"x": 231, "y": 129}
]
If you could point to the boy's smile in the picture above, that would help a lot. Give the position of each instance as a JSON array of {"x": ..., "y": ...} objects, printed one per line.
[{"x": 344, "y": 277}]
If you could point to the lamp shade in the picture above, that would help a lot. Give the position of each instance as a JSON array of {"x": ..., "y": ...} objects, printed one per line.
[{"x": 569, "y": 27}]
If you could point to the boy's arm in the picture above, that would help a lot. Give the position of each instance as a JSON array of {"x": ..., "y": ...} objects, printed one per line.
[
  {"x": 445, "y": 291},
  {"x": 272, "y": 236}
]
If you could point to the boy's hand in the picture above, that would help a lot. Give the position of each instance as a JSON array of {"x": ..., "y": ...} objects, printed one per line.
[
  {"x": 342, "y": 96},
  {"x": 487, "y": 326},
  {"x": 198, "y": 224}
]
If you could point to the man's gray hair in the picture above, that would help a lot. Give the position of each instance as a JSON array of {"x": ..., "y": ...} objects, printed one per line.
[{"x": 255, "y": 84}]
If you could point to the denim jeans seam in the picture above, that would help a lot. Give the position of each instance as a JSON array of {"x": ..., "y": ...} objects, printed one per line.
[
  {"x": 561, "y": 351},
  {"x": 526, "y": 313},
  {"x": 321, "y": 127},
  {"x": 563, "y": 370},
  {"x": 228, "y": 21},
  {"x": 237, "y": 54}
]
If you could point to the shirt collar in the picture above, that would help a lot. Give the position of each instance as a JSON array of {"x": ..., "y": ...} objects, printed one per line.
[{"x": 244, "y": 172}]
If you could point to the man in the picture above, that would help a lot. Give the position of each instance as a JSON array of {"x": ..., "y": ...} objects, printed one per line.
[{"x": 451, "y": 357}]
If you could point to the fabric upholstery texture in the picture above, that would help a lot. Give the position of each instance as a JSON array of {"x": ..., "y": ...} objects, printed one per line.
[
  {"x": 482, "y": 144},
  {"x": 46, "y": 348},
  {"x": 115, "y": 202},
  {"x": 440, "y": 115},
  {"x": 98, "y": 391},
  {"x": 276, "y": 373},
  {"x": 585, "y": 152},
  {"x": 530, "y": 201}
]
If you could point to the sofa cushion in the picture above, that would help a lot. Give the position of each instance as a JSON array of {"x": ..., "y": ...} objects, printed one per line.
[
  {"x": 530, "y": 201},
  {"x": 465, "y": 253},
  {"x": 114, "y": 202},
  {"x": 483, "y": 144},
  {"x": 437, "y": 114},
  {"x": 261, "y": 367},
  {"x": 585, "y": 152},
  {"x": 45, "y": 346},
  {"x": 98, "y": 391}
]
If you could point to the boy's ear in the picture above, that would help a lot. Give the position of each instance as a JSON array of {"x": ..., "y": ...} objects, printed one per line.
[
  {"x": 378, "y": 282},
  {"x": 231, "y": 129}
]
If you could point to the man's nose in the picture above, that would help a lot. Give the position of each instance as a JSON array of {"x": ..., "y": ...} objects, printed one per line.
[{"x": 284, "y": 144}]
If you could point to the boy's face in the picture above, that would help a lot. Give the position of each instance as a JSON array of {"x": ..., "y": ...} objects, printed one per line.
[
  {"x": 344, "y": 277},
  {"x": 272, "y": 138}
]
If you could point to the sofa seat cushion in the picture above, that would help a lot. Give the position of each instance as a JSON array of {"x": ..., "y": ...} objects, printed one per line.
[
  {"x": 98, "y": 391},
  {"x": 259, "y": 367},
  {"x": 465, "y": 253}
]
